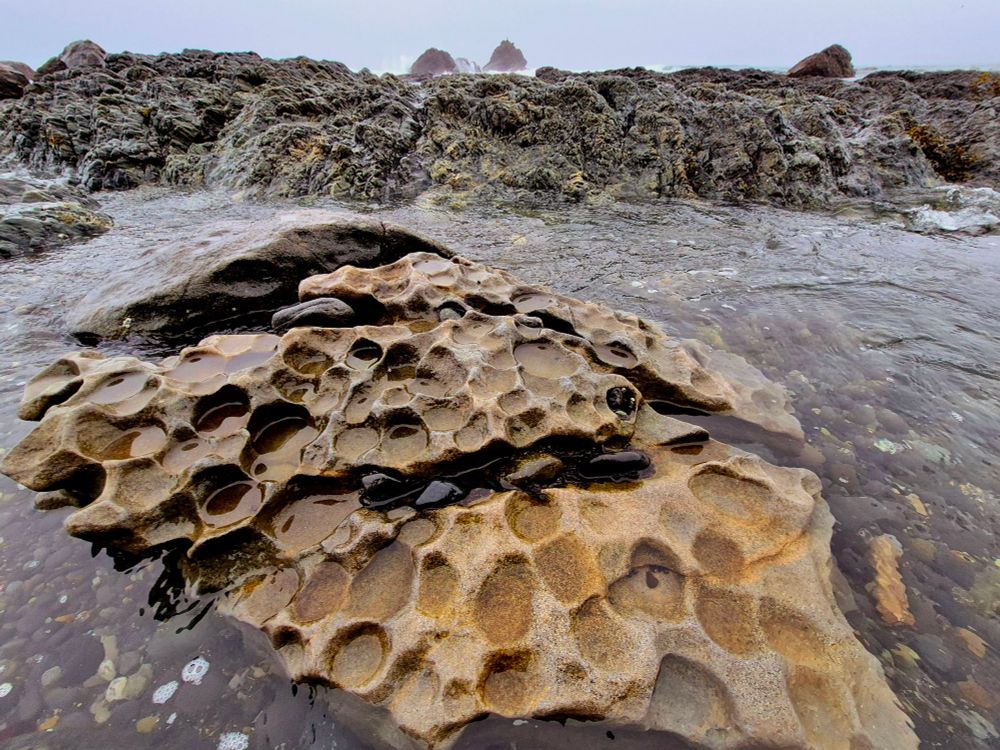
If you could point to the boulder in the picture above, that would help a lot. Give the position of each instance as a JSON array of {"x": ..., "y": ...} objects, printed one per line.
[
  {"x": 433, "y": 62},
  {"x": 506, "y": 58},
  {"x": 79, "y": 54},
  {"x": 38, "y": 214},
  {"x": 236, "y": 274},
  {"x": 833, "y": 62},
  {"x": 26, "y": 70},
  {"x": 342, "y": 489},
  {"x": 12, "y": 82}
]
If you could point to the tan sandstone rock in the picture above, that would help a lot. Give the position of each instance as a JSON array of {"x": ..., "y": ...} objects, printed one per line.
[
  {"x": 466, "y": 505},
  {"x": 888, "y": 588}
]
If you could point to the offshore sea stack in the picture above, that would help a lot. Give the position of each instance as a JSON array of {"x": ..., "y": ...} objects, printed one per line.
[
  {"x": 433, "y": 62},
  {"x": 506, "y": 58},
  {"x": 833, "y": 62},
  {"x": 472, "y": 497}
]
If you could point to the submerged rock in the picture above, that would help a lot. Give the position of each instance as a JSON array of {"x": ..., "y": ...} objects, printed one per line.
[
  {"x": 236, "y": 274},
  {"x": 833, "y": 62},
  {"x": 506, "y": 58},
  {"x": 344, "y": 489},
  {"x": 433, "y": 62},
  {"x": 888, "y": 588}
]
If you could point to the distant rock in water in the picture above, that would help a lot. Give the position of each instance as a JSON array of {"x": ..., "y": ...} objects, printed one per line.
[
  {"x": 833, "y": 62},
  {"x": 433, "y": 62},
  {"x": 12, "y": 82},
  {"x": 80, "y": 54},
  {"x": 465, "y": 65},
  {"x": 506, "y": 58},
  {"x": 38, "y": 214}
]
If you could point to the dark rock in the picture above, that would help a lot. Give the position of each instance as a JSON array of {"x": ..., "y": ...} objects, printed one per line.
[
  {"x": 12, "y": 82},
  {"x": 833, "y": 62},
  {"x": 615, "y": 464},
  {"x": 38, "y": 214},
  {"x": 324, "y": 313},
  {"x": 433, "y": 62},
  {"x": 438, "y": 493},
  {"x": 79, "y": 54},
  {"x": 26, "y": 70},
  {"x": 506, "y": 58},
  {"x": 238, "y": 275},
  {"x": 232, "y": 120}
]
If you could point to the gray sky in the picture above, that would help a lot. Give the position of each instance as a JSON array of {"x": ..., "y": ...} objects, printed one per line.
[{"x": 578, "y": 35}]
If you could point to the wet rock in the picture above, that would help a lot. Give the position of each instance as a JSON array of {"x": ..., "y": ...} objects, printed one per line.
[
  {"x": 12, "y": 82},
  {"x": 506, "y": 58},
  {"x": 433, "y": 62},
  {"x": 437, "y": 493},
  {"x": 740, "y": 135},
  {"x": 888, "y": 588},
  {"x": 535, "y": 470},
  {"x": 80, "y": 54},
  {"x": 701, "y": 585},
  {"x": 833, "y": 62},
  {"x": 324, "y": 313},
  {"x": 234, "y": 271},
  {"x": 615, "y": 464},
  {"x": 37, "y": 214}
]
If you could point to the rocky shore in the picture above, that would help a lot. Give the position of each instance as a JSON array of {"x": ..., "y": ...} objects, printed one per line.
[{"x": 302, "y": 127}]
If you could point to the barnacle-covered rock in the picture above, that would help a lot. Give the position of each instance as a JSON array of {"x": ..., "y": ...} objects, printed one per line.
[{"x": 465, "y": 504}]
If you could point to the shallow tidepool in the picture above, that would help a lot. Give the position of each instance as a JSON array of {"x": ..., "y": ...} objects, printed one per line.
[{"x": 888, "y": 340}]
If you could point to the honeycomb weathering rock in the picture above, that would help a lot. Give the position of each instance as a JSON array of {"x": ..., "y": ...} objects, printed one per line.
[
  {"x": 465, "y": 504},
  {"x": 425, "y": 287}
]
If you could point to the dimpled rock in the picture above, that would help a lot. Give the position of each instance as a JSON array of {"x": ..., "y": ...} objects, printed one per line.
[
  {"x": 688, "y": 595},
  {"x": 423, "y": 287}
]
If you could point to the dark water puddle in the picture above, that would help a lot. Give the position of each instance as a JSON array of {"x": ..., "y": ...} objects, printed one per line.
[{"x": 888, "y": 341}]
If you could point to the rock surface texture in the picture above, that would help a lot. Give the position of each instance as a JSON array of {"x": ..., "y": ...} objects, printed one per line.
[
  {"x": 236, "y": 274},
  {"x": 464, "y": 504},
  {"x": 37, "y": 214},
  {"x": 12, "y": 82},
  {"x": 300, "y": 127},
  {"x": 433, "y": 62},
  {"x": 833, "y": 62},
  {"x": 506, "y": 58},
  {"x": 81, "y": 54}
]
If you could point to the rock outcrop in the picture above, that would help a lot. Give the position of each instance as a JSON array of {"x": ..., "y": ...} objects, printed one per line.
[
  {"x": 37, "y": 214},
  {"x": 465, "y": 504},
  {"x": 80, "y": 54},
  {"x": 506, "y": 58},
  {"x": 26, "y": 70},
  {"x": 236, "y": 275},
  {"x": 301, "y": 127},
  {"x": 12, "y": 82},
  {"x": 833, "y": 62},
  {"x": 433, "y": 62}
]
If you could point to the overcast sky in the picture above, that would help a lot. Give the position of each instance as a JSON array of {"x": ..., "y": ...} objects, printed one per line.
[{"x": 575, "y": 35}]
